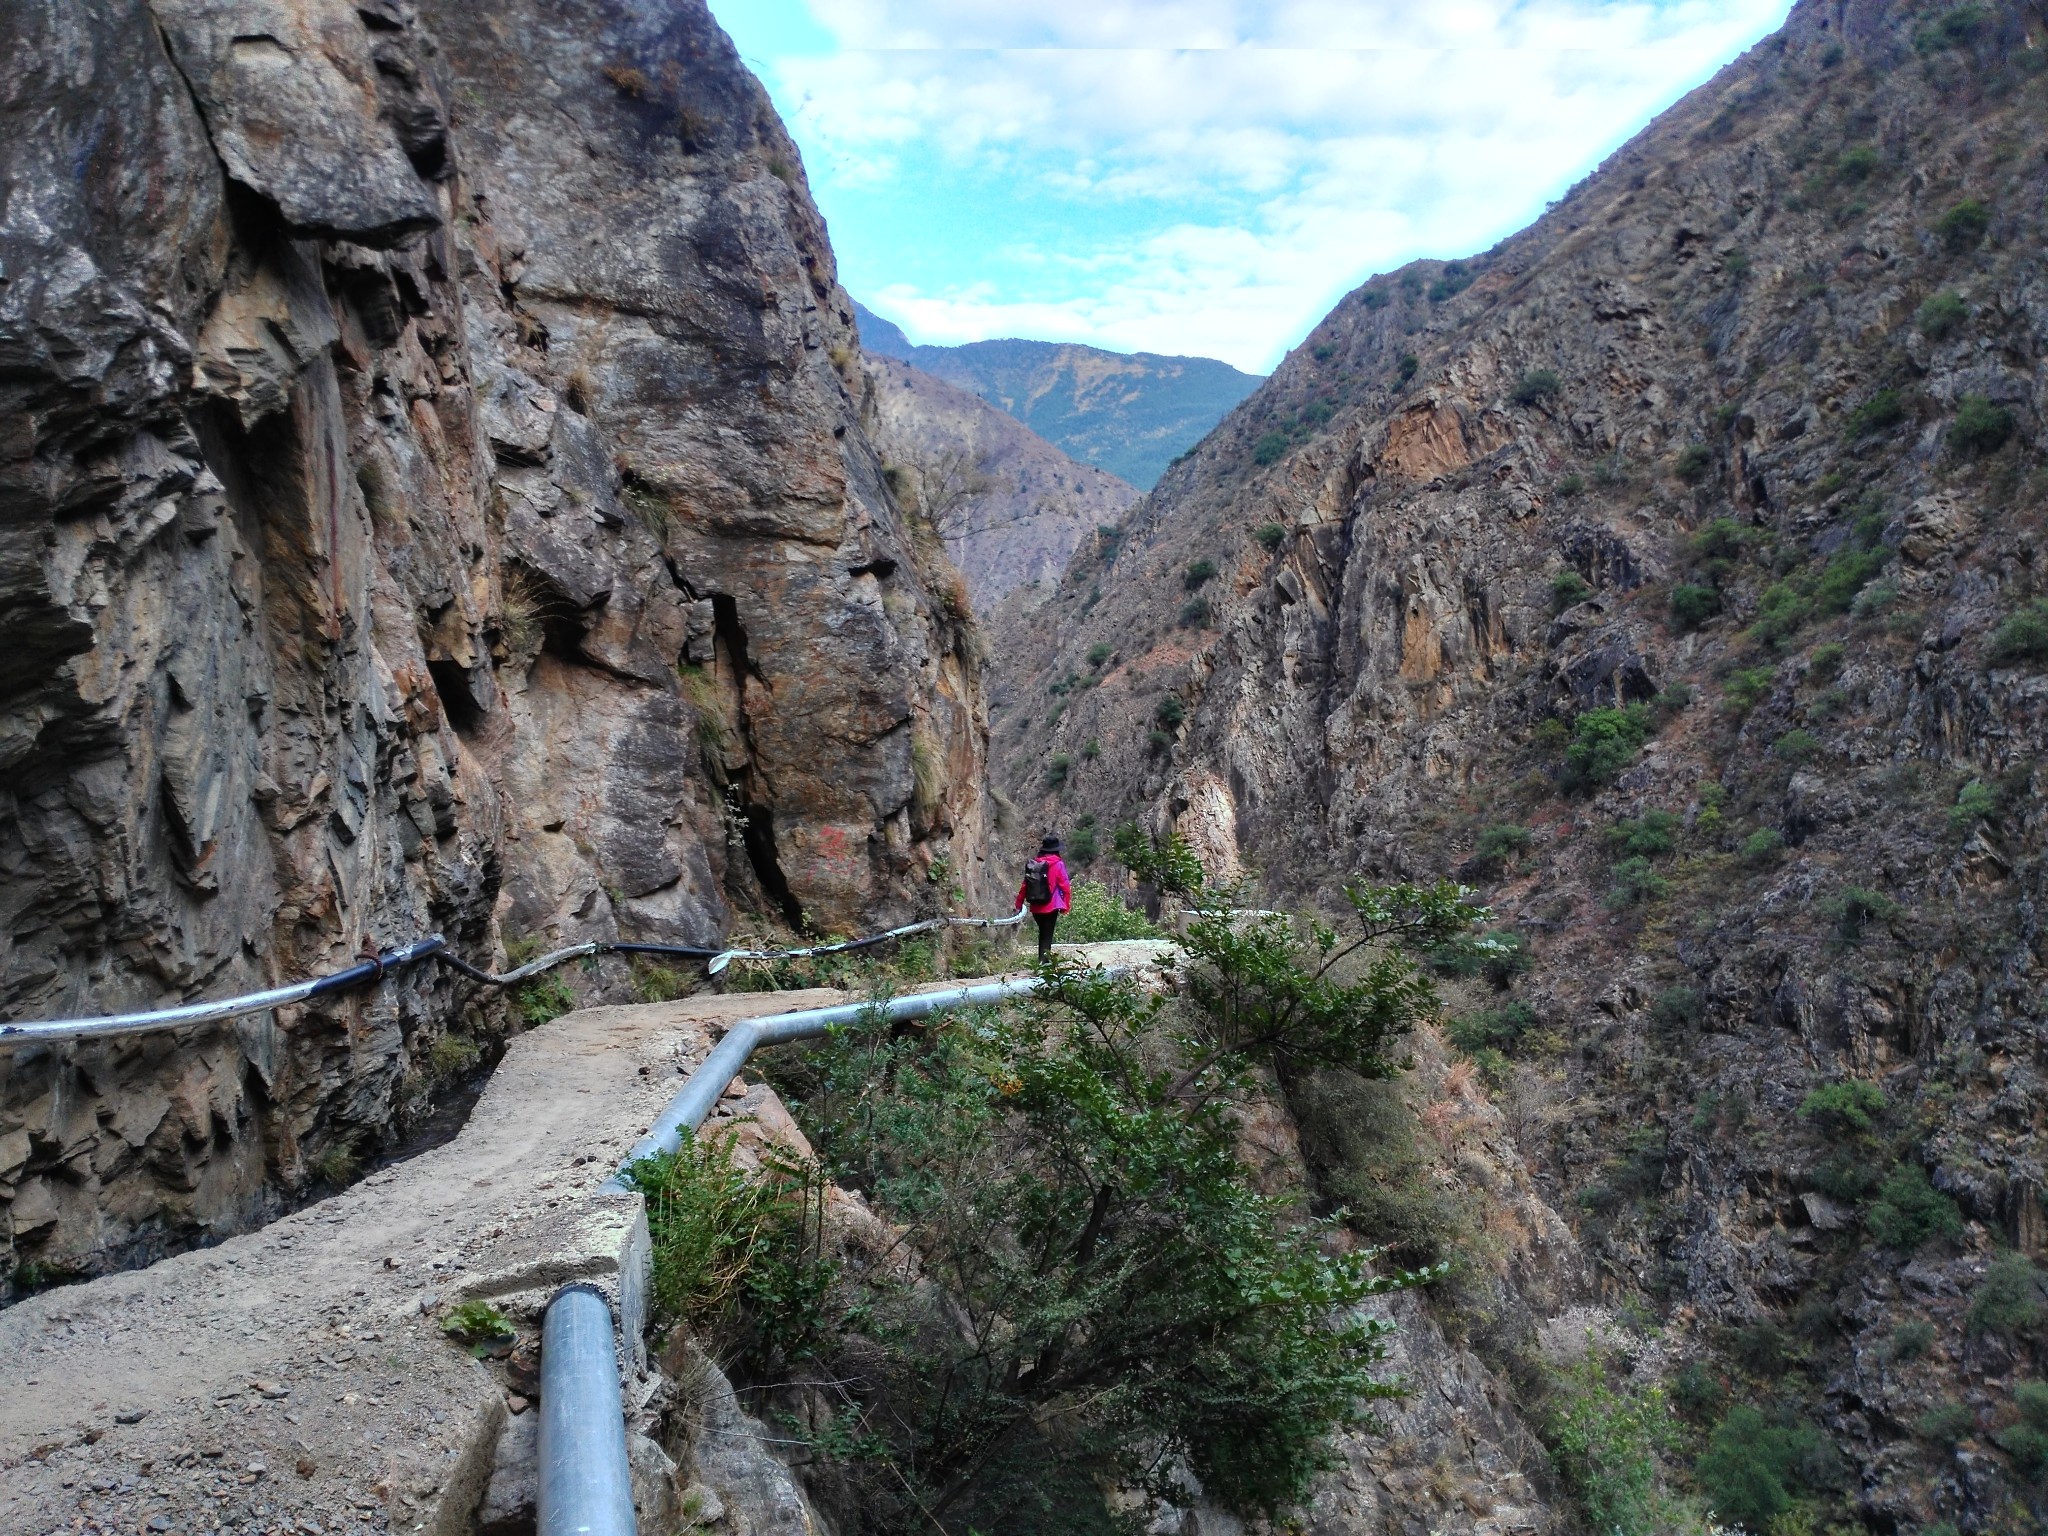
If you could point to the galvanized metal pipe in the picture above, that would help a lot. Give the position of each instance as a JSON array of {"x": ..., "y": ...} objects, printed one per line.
[{"x": 586, "y": 1485}]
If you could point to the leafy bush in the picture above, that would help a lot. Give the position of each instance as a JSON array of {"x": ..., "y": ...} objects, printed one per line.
[
  {"x": 1496, "y": 1028},
  {"x": 1537, "y": 385},
  {"x": 1942, "y": 315},
  {"x": 1636, "y": 881},
  {"x": 1605, "y": 741},
  {"x": 1752, "y": 1467},
  {"x": 1405, "y": 369},
  {"x": 1099, "y": 653},
  {"x": 1057, "y": 769},
  {"x": 1964, "y": 226},
  {"x": 1083, "y": 848},
  {"x": 2008, "y": 1299},
  {"x": 1196, "y": 613},
  {"x": 1693, "y": 464},
  {"x": 1118, "y": 1297},
  {"x": 1854, "y": 908},
  {"x": 1909, "y": 1210},
  {"x": 1099, "y": 915},
  {"x": 477, "y": 1324},
  {"x": 1945, "y": 1423},
  {"x": 1571, "y": 485},
  {"x": 1979, "y": 428},
  {"x": 1157, "y": 742},
  {"x": 1567, "y": 589},
  {"x": 1692, "y": 604},
  {"x": 1723, "y": 539},
  {"x": 1747, "y": 689},
  {"x": 2022, "y": 636},
  {"x": 1270, "y": 536},
  {"x": 1780, "y": 613},
  {"x": 1954, "y": 29},
  {"x": 1091, "y": 749},
  {"x": 542, "y": 1000},
  {"x": 1198, "y": 571},
  {"x": 1499, "y": 957},
  {"x": 1649, "y": 836},
  {"x": 1763, "y": 846},
  {"x": 1270, "y": 448},
  {"x": 2027, "y": 1441},
  {"x": 1883, "y": 410},
  {"x": 1846, "y": 574},
  {"x": 1679, "y": 1008},
  {"x": 1171, "y": 711},
  {"x": 1857, "y": 164},
  {"x": 1454, "y": 280},
  {"x": 1911, "y": 1339},
  {"x": 1850, "y": 1106},
  {"x": 1500, "y": 844},
  {"x": 1698, "y": 1392},
  {"x": 1796, "y": 746},
  {"x": 1825, "y": 663},
  {"x": 1606, "y": 1441},
  {"x": 1975, "y": 802}
]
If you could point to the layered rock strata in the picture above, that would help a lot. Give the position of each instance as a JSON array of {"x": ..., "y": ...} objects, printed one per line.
[{"x": 435, "y": 497}]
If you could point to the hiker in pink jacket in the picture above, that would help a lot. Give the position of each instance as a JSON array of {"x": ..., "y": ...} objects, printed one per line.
[{"x": 1045, "y": 891}]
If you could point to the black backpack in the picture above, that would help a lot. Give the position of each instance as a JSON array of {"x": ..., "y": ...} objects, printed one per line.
[{"x": 1037, "y": 883}]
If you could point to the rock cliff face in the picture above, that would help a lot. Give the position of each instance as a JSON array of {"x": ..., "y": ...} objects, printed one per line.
[
  {"x": 434, "y": 495},
  {"x": 1011, "y": 507},
  {"x": 1672, "y": 571}
]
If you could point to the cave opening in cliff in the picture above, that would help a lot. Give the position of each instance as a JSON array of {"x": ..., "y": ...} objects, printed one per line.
[
  {"x": 458, "y": 702},
  {"x": 760, "y": 840}
]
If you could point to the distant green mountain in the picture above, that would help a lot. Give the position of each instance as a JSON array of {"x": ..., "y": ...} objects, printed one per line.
[{"x": 1130, "y": 413}]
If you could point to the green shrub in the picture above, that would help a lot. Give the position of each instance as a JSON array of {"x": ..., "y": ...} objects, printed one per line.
[
  {"x": 1649, "y": 836},
  {"x": 1909, "y": 1210},
  {"x": 1857, "y": 164},
  {"x": 1964, "y": 226},
  {"x": 1636, "y": 881},
  {"x": 1057, "y": 769},
  {"x": 1854, "y": 908},
  {"x": 1099, "y": 915},
  {"x": 2008, "y": 1299},
  {"x": 1157, "y": 742},
  {"x": 1570, "y": 485},
  {"x": 1942, "y": 315},
  {"x": 1694, "y": 463},
  {"x": 1979, "y": 428},
  {"x": 1501, "y": 843},
  {"x": 1606, "y": 1441},
  {"x": 1270, "y": 448},
  {"x": 1825, "y": 663},
  {"x": 1945, "y": 1423},
  {"x": 1760, "y": 1348},
  {"x": 1537, "y": 385},
  {"x": 1099, "y": 653},
  {"x": 1567, "y": 589},
  {"x": 1780, "y": 614},
  {"x": 2022, "y": 636},
  {"x": 1675, "y": 699},
  {"x": 1196, "y": 613},
  {"x": 1975, "y": 802},
  {"x": 1198, "y": 572},
  {"x": 1845, "y": 1174},
  {"x": 1796, "y": 746},
  {"x": 1692, "y": 604},
  {"x": 1850, "y": 1106},
  {"x": 1605, "y": 741},
  {"x": 1270, "y": 536},
  {"x": 477, "y": 1324},
  {"x": 1499, "y": 957},
  {"x": 1882, "y": 411},
  {"x": 1876, "y": 600},
  {"x": 1454, "y": 280},
  {"x": 1496, "y": 1028},
  {"x": 1084, "y": 847},
  {"x": 542, "y": 1000},
  {"x": 2027, "y": 1441},
  {"x": 1679, "y": 1008},
  {"x": 1911, "y": 1339},
  {"x": 1847, "y": 572},
  {"x": 1763, "y": 846},
  {"x": 1698, "y": 1392},
  {"x": 1954, "y": 29},
  {"x": 1091, "y": 749},
  {"x": 1405, "y": 369},
  {"x": 1722, "y": 540},
  {"x": 1170, "y": 712},
  {"x": 1753, "y": 1467}
]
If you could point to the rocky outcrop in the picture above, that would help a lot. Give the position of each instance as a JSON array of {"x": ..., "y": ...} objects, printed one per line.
[
  {"x": 1744, "y": 436},
  {"x": 433, "y": 499},
  {"x": 1011, "y": 508}
]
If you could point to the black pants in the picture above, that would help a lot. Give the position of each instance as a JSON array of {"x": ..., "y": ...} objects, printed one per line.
[{"x": 1046, "y": 922}]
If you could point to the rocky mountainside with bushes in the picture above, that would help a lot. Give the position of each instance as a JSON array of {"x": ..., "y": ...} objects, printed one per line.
[
  {"x": 1011, "y": 508},
  {"x": 437, "y": 496},
  {"x": 1130, "y": 414},
  {"x": 1670, "y": 573}
]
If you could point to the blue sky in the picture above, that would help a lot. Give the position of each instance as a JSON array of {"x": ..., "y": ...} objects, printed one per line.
[{"x": 1199, "y": 176}]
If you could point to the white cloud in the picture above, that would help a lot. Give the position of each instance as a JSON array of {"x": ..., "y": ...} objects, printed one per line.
[{"x": 1231, "y": 167}]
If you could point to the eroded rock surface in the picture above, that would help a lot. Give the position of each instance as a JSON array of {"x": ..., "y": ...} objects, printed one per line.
[{"x": 432, "y": 499}]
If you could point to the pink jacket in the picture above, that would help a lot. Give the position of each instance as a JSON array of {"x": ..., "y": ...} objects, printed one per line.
[{"x": 1062, "y": 893}]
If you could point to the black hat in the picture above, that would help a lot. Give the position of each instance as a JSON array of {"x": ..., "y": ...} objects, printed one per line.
[{"x": 1049, "y": 844}]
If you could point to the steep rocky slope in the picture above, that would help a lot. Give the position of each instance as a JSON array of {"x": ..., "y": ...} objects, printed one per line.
[
  {"x": 1012, "y": 508},
  {"x": 1128, "y": 413},
  {"x": 1671, "y": 571},
  {"x": 435, "y": 495}
]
